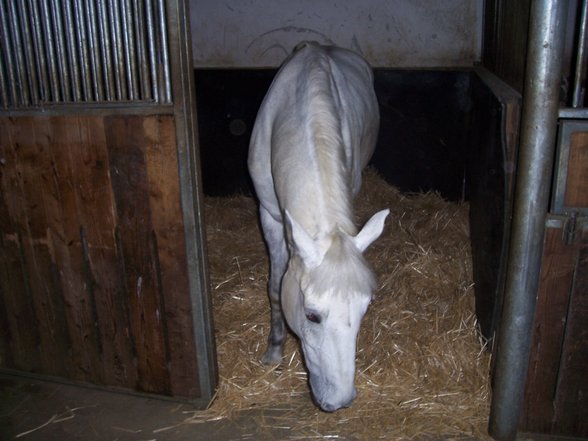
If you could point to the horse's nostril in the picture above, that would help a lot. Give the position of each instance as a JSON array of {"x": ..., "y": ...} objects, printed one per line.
[
  {"x": 329, "y": 407},
  {"x": 348, "y": 404},
  {"x": 334, "y": 407}
]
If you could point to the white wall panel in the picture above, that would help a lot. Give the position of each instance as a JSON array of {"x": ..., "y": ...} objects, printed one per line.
[{"x": 392, "y": 33}]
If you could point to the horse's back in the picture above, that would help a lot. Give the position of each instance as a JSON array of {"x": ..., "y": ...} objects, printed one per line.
[{"x": 317, "y": 89}]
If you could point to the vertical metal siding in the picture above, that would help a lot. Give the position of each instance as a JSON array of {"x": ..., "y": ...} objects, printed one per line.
[{"x": 83, "y": 51}]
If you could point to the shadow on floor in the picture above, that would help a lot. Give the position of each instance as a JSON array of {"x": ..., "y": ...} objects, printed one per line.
[{"x": 33, "y": 410}]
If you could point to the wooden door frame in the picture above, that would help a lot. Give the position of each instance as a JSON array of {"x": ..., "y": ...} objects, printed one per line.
[
  {"x": 183, "y": 109},
  {"x": 192, "y": 194}
]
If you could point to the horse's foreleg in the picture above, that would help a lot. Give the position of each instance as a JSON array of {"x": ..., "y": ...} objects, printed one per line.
[
  {"x": 277, "y": 335},
  {"x": 273, "y": 231}
]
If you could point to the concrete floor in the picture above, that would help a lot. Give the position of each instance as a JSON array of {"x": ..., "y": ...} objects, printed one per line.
[{"x": 34, "y": 410}]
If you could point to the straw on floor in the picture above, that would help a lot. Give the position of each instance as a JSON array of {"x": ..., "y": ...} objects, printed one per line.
[{"x": 421, "y": 366}]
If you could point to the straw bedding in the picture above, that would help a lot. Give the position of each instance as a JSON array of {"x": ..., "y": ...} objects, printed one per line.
[{"x": 421, "y": 367}]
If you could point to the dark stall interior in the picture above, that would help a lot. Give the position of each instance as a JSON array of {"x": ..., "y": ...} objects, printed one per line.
[
  {"x": 456, "y": 132},
  {"x": 440, "y": 131},
  {"x": 423, "y": 130}
]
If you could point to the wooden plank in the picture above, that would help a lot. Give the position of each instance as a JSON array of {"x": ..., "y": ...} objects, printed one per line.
[
  {"x": 22, "y": 334},
  {"x": 506, "y": 32},
  {"x": 555, "y": 285},
  {"x": 67, "y": 250},
  {"x": 170, "y": 253},
  {"x": 126, "y": 143},
  {"x": 89, "y": 223},
  {"x": 15, "y": 295},
  {"x": 31, "y": 139},
  {"x": 92, "y": 253},
  {"x": 576, "y": 192},
  {"x": 490, "y": 172},
  {"x": 571, "y": 398}
]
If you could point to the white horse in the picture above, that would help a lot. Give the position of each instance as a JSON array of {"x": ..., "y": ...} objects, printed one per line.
[{"x": 315, "y": 131}]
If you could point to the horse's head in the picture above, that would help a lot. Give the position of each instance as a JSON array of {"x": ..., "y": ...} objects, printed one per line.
[{"x": 326, "y": 291}]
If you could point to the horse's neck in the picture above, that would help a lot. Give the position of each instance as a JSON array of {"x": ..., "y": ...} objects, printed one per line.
[
  {"x": 334, "y": 162},
  {"x": 336, "y": 187},
  {"x": 323, "y": 187}
]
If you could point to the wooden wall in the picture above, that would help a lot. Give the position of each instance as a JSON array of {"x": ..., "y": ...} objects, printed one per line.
[
  {"x": 555, "y": 400},
  {"x": 493, "y": 145},
  {"x": 506, "y": 27},
  {"x": 93, "y": 278},
  {"x": 506, "y": 33}
]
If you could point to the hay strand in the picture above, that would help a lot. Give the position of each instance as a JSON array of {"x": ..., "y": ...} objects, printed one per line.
[{"x": 421, "y": 366}]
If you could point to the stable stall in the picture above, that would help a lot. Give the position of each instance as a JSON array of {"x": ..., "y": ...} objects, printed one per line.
[{"x": 124, "y": 199}]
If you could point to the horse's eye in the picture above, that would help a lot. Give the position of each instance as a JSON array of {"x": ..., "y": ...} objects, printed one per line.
[{"x": 312, "y": 317}]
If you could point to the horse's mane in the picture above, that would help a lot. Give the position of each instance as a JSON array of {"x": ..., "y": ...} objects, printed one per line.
[
  {"x": 325, "y": 132},
  {"x": 343, "y": 271}
]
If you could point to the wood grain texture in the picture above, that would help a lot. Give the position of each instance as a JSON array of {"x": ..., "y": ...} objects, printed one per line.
[
  {"x": 93, "y": 283},
  {"x": 126, "y": 141},
  {"x": 35, "y": 217},
  {"x": 556, "y": 387},
  {"x": 168, "y": 239},
  {"x": 576, "y": 191},
  {"x": 571, "y": 398},
  {"x": 21, "y": 336},
  {"x": 506, "y": 29},
  {"x": 65, "y": 226}
]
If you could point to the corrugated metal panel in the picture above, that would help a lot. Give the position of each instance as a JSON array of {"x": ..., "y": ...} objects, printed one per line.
[{"x": 83, "y": 51}]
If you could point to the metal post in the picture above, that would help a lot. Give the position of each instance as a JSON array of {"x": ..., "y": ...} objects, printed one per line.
[
  {"x": 580, "y": 72},
  {"x": 537, "y": 147}
]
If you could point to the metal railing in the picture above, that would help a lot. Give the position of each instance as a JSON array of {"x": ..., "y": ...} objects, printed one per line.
[{"x": 83, "y": 51}]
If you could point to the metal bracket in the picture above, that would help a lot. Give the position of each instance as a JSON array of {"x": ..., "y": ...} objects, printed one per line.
[{"x": 570, "y": 228}]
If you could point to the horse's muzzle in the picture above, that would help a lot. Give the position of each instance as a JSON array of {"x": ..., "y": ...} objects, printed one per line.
[{"x": 332, "y": 406}]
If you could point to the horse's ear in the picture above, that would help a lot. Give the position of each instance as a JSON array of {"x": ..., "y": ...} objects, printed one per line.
[
  {"x": 371, "y": 230},
  {"x": 304, "y": 245}
]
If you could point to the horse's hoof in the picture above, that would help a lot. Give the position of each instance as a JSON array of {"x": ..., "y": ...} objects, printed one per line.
[{"x": 272, "y": 356}]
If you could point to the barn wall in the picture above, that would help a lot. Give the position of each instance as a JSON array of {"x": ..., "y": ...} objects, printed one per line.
[
  {"x": 506, "y": 29},
  {"x": 395, "y": 33},
  {"x": 505, "y": 40},
  {"x": 555, "y": 385},
  {"x": 93, "y": 266},
  {"x": 103, "y": 276}
]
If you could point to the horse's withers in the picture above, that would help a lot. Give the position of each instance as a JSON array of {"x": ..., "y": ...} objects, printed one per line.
[{"x": 315, "y": 131}]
